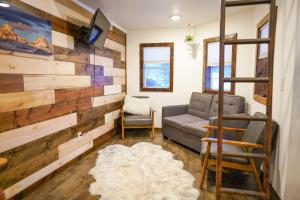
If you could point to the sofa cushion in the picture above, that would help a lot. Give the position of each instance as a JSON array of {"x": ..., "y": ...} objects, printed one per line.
[
  {"x": 226, "y": 148},
  {"x": 196, "y": 128},
  {"x": 137, "y": 120},
  {"x": 178, "y": 120},
  {"x": 232, "y": 105},
  {"x": 200, "y": 104}
]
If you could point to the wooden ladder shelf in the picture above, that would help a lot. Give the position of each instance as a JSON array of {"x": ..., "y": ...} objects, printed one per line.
[{"x": 265, "y": 194}]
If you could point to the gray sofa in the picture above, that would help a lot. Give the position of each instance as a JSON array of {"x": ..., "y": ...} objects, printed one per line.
[{"x": 184, "y": 123}]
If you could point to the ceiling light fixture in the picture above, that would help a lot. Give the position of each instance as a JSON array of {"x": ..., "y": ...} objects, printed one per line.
[
  {"x": 5, "y": 5},
  {"x": 175, "y": 17}
]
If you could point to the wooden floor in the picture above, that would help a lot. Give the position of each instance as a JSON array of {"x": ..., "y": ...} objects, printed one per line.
[{"x": 73, "y": 182}]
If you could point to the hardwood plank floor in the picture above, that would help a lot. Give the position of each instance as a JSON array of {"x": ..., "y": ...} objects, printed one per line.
[{"x": 73, "y": 182}]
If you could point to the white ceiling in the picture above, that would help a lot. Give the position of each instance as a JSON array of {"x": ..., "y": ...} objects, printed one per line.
[{"x": 141, "y": 14}]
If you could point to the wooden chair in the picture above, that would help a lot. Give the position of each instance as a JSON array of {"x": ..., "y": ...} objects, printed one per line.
[
  {"x": 130, "y": 121},
  {"x": 3, "y": 162},
  {"x": 239, "y": 155}
]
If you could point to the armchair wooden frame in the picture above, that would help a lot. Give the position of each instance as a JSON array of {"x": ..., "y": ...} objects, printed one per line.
[
  {"x": 250, "y": 167},
  {"x": 137, "y": 127},
  {"x": 3, "y": 163}
]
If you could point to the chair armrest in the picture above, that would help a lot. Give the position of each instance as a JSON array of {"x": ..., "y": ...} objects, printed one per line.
[
  {"x": 168, "y": 111},
  {"x": 225, "y": 128},
  {"x": 236, "y": 143}
]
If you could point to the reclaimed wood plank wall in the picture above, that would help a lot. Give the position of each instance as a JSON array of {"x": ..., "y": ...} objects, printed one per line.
[{"x": 55, "y": 108}]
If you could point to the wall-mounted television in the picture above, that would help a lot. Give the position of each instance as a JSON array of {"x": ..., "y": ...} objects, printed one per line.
[{"x": 96, "y": 33}]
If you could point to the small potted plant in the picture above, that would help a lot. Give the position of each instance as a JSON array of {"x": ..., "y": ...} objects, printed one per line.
[{"x": 189, "y": 39}]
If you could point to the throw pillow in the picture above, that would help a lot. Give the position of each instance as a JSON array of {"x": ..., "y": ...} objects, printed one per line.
[{"x": 136, "y": 106}]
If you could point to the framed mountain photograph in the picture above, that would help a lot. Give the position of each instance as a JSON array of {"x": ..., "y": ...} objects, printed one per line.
[{"x": 23, "y": 32}]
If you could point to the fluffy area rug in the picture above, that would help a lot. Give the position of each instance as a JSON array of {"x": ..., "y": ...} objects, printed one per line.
[{"x": 142, "y": 172}]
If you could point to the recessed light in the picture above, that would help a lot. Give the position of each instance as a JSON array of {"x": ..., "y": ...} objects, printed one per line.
[
  {"x": 175, "y": 17},
  {"x": 5, "y": 5}
]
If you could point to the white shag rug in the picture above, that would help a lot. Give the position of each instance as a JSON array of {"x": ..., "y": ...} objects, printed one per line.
[{"x": 142, "y": 172}]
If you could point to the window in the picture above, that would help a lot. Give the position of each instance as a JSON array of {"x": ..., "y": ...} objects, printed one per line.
[
  {"x": 261, "y": 69},
  {"x": 211, "y": 65},
  {"x": 156, "y": 67}
]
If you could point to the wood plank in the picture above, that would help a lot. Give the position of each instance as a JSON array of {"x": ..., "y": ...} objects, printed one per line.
[
  {"x": 100, "y": 60},
  {"x": 81, "y": 140},
  {"x": 23, "y": 153},
  {"x": 7, "y": 121},
  {"x": 58, "y": 24},
  {"x": 69, "y": 55},
  {"x": 62, "y": 40},
  {"x": 20, "y": 136},
  {"x": 119, "y": 32},
  {"x": 59, "y": 10},
  {"x": 90, "y": 124},
  {"x": 21, "y": 100},
  {"x": 33, "y": 115},
  {"x": 44, "y": 82},
  {"x": 117, "y": 47},
  {"x": 124, "y": 88},
  {"x": 112, "y": 116},
  {"x": 90, "y": 114},
  {"x": 108, "y": 53},
  {"x": 26, "y": 55},
  {"x": 113, "y": 71},
  {"x": 102, "y": 80},
  {"x": 119, "y": 80},
  {"x": 63, "y": 95},
  {"x": 113, "y": 106},
  {"x": 116, "y": 37},
  {"x": 12, "y": 175},
  {"x": 112, "y": 89},
  {"x": 11, "y": 83},
  {"x": 21, "y": 65},
  {"x": 87, "y": 69},
  {"x": 75, "y": 7},
  {"x": 123, "y": 65},
  {"x": 18, "y": 187},
  {"x": 102, "y": 100}
]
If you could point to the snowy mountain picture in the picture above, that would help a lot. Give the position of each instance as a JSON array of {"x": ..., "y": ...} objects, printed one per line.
[{"x": 23, "y": 32}]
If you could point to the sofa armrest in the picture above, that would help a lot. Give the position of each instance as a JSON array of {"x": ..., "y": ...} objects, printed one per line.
[
  {"x": 213, "y": 121},
  {"x": 168, "y": 111}
]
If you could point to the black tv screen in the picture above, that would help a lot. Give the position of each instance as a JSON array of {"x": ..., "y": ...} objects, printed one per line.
[{"x": 98, "y": 29}]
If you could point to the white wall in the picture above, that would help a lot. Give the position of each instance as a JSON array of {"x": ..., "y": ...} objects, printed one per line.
[
  {"x": 285, "y": 109},
  {"x": 187, "y": 70},
  {"x": 188, "y": 78}
]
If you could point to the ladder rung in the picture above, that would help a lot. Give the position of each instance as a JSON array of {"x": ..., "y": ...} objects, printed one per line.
[
  {"x": 250, "y": 118},
  {"x": 246, "y": 79},
  {"x": 247, "y": 41},
  {"x": 246, "y": 2},
  {"x": 244, "y": 155},
  {"x": 243, "y": 192}
]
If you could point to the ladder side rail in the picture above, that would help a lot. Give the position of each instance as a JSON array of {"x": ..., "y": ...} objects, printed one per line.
[
  {"x": 221, "y": 99},
  {"x": 268, "y": 131}
]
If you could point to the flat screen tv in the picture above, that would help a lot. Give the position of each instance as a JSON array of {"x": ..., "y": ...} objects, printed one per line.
[{"x": 97, "y": 31}]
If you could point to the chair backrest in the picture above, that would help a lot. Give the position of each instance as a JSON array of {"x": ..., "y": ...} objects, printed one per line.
[
  {"x": 233, "y": 104},
  {"x": 141, "y": 97},
  {"x": 256, "y": 129},
  {"x": 255, "y": 133}
]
